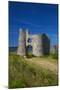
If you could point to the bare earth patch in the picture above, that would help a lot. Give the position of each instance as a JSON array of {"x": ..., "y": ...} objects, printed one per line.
[{"x": 44, "y": 63}]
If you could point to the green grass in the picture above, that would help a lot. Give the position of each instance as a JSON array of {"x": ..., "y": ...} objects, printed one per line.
[{"x": 24, "y": 74}]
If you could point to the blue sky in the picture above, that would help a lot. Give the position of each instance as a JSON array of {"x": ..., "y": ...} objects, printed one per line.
[{"x": 38, "y": 18}]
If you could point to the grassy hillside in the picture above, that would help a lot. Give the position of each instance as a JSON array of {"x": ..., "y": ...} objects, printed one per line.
[{"x": 22, "y": 73}]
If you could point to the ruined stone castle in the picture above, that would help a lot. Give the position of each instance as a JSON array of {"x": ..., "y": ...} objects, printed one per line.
[{"x": 38, "y": 44}]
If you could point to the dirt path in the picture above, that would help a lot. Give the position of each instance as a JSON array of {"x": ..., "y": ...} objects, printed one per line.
[{"x": 44, "y": 64}]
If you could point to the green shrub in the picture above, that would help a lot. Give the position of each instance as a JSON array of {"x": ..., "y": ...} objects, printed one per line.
[{"x": 54, "y": 56}]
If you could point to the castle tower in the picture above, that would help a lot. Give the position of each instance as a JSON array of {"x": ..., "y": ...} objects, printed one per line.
[
  {"x": 27, "y": 36},
  {"x": 41, "y": 45},
  {"x": 22, "y": 43}
]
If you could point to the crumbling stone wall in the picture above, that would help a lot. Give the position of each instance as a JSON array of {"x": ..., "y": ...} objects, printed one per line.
[
  {"x": 37, "y": 45},
  {"x": 40, "y": 43},
  {"x": 22, "y": 43}
]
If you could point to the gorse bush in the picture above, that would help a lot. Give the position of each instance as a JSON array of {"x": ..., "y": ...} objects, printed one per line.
[
  {"x": 54, "y": 56},
  {"x": 24, "y": 74}
]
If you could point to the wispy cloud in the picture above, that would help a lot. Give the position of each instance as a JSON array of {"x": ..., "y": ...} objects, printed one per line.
[{"x": 27, "y": 23}]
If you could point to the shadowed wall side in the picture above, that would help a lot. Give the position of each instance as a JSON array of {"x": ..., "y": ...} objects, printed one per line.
[{"x": 45, "y": 44}]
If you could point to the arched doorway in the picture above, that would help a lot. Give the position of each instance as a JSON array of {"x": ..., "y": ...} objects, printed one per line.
[{"x": 29, "y": 50}]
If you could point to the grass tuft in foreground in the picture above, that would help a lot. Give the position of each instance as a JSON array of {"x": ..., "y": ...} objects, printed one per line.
[{"x": 25, "y": 74}]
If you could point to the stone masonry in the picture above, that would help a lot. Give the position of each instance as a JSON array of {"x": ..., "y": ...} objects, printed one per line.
[{"x": 40, "y": 43}]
